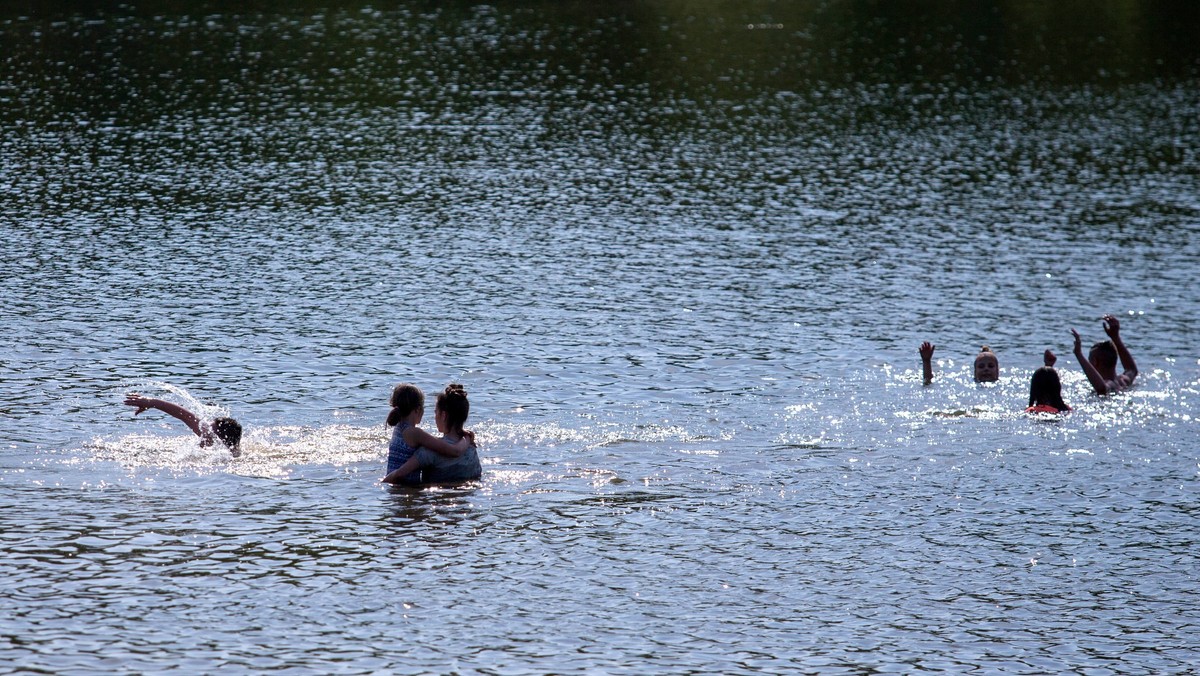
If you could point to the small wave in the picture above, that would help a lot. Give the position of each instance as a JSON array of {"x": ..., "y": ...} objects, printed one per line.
[{"x": 272, "y": 452}]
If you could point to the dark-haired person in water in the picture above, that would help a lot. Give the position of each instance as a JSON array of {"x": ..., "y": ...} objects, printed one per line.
[
  {"x": 228, "y": 430},
  {"x": 1045, "y": 388},
  {"x": 1101, "y": 362},
  {"x": 444, "y": 462}
]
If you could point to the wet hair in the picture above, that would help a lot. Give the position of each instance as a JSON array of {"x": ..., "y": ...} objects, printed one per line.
[
  {"x": 985, "y": 352},
  {"x": 406, "y": 398},
  {"x": 229, "y": 431},
  {"x": 1046, "y": 389},
  {"x": 1103, "y": 355},
  {"x": 453, "y": 402}
]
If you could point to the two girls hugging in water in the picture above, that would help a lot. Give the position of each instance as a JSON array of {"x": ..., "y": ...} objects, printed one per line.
[
  {"x": 414, "y": 456},
  {"x": 1045, "y": 387}
]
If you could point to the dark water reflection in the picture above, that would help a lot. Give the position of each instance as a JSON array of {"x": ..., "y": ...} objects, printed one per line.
[{"x": 681, "y": 254}]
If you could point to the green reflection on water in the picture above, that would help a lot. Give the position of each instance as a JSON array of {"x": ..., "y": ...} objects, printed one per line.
[
  {"x": 446, "y": 58},
  {"x": 196, "y": 101}
]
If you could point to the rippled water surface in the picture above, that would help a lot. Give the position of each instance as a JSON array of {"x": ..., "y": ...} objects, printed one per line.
[{"x": 680, "y": 254}]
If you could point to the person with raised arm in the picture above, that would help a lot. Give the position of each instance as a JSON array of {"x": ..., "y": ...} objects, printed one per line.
[
  {"x": 987, "y": 365},
  {"x": 228, "y": 430},
  {"x": 1101, "y": 363}
]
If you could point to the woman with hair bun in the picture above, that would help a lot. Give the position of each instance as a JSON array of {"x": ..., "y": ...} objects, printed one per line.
[{"x": 433, "y": 463}]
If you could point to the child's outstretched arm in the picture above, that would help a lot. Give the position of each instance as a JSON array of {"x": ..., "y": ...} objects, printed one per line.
[
  {"x": 1088, "y": 367},
  {"x": 926, "y": 351},
  {"x": 397, "y": 476},
  {"x": 1112, "y": 326},
  {"x": 415, "y": 437},
  {"x": 174, "y": 410}
]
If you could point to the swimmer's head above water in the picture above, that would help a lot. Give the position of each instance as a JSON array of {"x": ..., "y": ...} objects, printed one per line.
[
  {"x": 452, "y": 409},
  {"x": 987, "y": 367},
  {"x": 228, "y": 431},
  {"x": 1104, "y": 356},
  {"x": 1045, "y": 389}
]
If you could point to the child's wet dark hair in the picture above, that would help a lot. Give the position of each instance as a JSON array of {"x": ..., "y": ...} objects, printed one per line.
[
  {"x": 229, "y": 431},
  {"x": 406, "y": 398},
  {"x": 453, "y": 402},
  {"x": 1103, "y": 354},
  {"x": 1045, "y": 388}
]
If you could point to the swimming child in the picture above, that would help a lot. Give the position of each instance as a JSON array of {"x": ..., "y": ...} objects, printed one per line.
[
  {"x": 1045, "y": 389},
  {"x": 1101, "y": 363},
  {"x": 408, "y": 407},
  {"x": 450, "y": 413},
  {"x": 987, "y": 366},
  {"x": 228, "y": 430}
]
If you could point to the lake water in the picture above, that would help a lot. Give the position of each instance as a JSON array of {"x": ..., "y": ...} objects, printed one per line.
[{"x": 681, "y": 255}]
